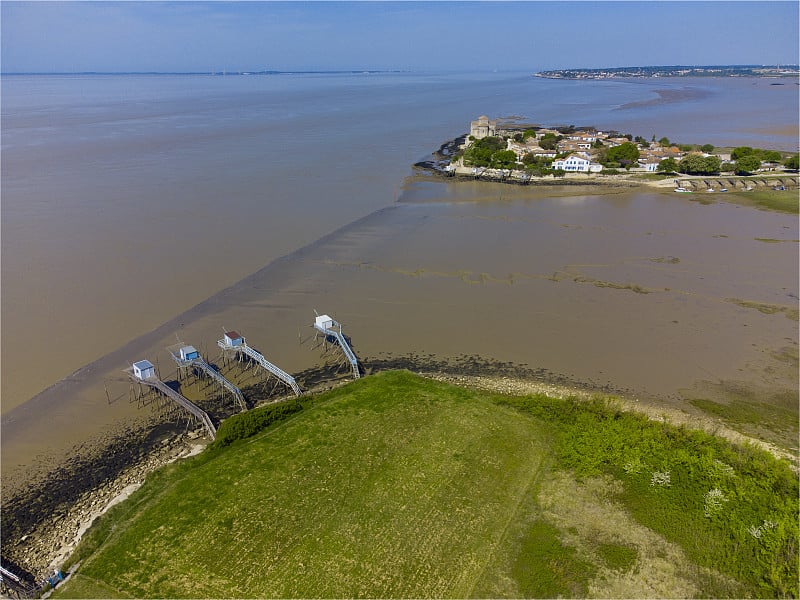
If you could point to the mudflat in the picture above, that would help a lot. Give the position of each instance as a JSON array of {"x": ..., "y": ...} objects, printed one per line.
[
  {"x": 655, "y": 297},
  {"x": 640, "y": 291}
]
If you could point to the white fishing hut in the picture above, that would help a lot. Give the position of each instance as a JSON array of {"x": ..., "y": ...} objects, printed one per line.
[
  {"x": 233, "y": 339},
  {"x": 323, "y": 322},
  {"x": 189, "y": 353},
  {"x": 144, "y": 369}
]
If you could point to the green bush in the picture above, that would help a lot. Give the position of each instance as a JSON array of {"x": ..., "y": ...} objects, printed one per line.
[
  {"x": 697, "y": 164},
  {"x": 249, "y": 423},
  {"x": 668, "y": 165}
]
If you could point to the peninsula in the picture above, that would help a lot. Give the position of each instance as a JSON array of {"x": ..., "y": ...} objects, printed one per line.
[
  {"x": 674, "y": 71},
  {"x": 508, "y": 150}
]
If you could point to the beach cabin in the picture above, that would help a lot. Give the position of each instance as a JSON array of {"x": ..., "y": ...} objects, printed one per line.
[
  {"x": 189, "y": 353},
  {"x": 324, "y": 322},
  {"x": 144, "y": 369},
  {"x": 233, "y": 339}
]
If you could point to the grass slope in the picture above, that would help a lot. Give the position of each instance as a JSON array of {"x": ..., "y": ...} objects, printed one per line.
[
  {"x": 403, "y": 492},
  {"x": 396, "y": 486}
]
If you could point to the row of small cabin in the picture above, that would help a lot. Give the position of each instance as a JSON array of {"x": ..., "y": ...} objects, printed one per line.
[{"x": 144, "y": 369}]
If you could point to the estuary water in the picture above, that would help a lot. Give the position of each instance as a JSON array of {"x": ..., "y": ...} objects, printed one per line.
[{"x": 127, "y": 200}]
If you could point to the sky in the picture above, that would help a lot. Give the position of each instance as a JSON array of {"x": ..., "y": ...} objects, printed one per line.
[{"x": 419, "y": 36}]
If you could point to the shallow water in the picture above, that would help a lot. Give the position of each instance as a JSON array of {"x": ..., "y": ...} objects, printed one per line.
[
  {"x": 127, "y": 201},
  {"x": 629, "y": 290}
]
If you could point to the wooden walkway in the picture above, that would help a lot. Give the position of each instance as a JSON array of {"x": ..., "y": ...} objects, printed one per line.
[
  {"x": 340, "y": 339},
  {"x": 262, "y": 362},
  {"x": 216, "y": 376},
  {"x": 198, "y": 413},
  {"x": 200, "y": 364}
]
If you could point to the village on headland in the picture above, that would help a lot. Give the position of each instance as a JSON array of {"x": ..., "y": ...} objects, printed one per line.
[
  {"x": 508, "y": 150},
  {"x": 675, "y": 71}
]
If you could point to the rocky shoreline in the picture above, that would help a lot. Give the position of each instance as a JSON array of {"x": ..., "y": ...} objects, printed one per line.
[{"x": 43, "y": 522}]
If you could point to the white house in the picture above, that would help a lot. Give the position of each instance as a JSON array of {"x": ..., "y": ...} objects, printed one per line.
[
  {"x": 541, "y": 152},
  {"x": 648, "y": 163},
  {"x": 573, "y": 163},
  {"x": 584, "y": 136}
]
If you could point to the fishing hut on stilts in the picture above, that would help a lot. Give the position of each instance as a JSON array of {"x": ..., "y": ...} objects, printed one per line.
[
  {"x": 143, "y": 374},
  {"x": 190, "y": 362},
  {"x": 235, "y": 345},
  {"x": 332, "y": 333}
]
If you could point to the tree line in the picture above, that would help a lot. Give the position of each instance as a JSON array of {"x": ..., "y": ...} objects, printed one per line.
[
  {"x": 745, "y": 161},
  {"x": 491, "y": 152}
]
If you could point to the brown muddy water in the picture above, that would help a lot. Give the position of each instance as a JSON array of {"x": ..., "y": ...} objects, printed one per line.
[
  {"x": 128, "y": 200},
  {"x": 646, "y": 293}
]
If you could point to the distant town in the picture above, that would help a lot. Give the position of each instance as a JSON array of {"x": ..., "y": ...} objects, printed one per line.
[
  {"x": 514, "y": 151},
  {"x": 675, "y": 71}
]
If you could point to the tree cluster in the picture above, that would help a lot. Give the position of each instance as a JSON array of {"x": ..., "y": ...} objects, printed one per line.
[
  {"x": 490, "y": 152},
  {"x": 624, "y": 155},
  {"x": 525, "y": 135},
  {"x": 697, "y": 164},
  {"x": 668, "y": 165},
  {"x": 760, "y": 154},
  {"x": 537, "y": 165},
  {"x": 748, "y": 160},
  {"x": 549, "y": 141}
]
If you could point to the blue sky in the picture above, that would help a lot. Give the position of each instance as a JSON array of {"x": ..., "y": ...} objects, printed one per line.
[{"x": 212, "y": 36}]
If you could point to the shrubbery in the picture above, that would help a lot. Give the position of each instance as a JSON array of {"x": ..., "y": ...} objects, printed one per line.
[
  {"x": 482, "y": 152},
  {"x": 731, "y": 508},
  {"x": 697, "y": 164},
  {"x": 251, "y": 422}
]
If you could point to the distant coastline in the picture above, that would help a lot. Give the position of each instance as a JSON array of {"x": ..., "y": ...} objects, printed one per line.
[
  {"x": 208, "y": 73},
  {"x": 674, "y": 71}
]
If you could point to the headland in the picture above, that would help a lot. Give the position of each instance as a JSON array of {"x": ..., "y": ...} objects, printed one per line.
[{"x": 512, "y": 151}]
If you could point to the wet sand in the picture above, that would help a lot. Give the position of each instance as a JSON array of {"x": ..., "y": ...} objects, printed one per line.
[
  {"x": 789, "y": 130},
  {"x": 642, "y": 291},
  {"x": 638, "y": 293},
  {"x": 668, "y": 96}
]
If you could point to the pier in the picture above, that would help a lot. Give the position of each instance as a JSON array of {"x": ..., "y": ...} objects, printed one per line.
[
  {"x": 187, "y": 357},
  {"x": 333, "y": 329},
  {"x": 746, "y": 183},
  {"x": 143, "y": 372},
  {"x": 234, "y": 343}
]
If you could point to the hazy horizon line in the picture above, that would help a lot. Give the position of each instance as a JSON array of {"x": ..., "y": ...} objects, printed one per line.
[{"x": 393, "y": 70}]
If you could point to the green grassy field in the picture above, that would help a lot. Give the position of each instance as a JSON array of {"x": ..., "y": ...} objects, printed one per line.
[{"x": 397, "y": 486}]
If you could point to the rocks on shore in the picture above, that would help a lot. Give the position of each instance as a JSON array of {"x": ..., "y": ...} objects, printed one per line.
[{"x": 47, "y": 544}]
